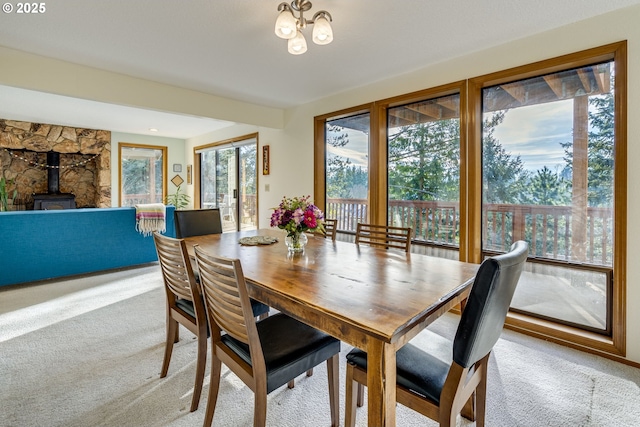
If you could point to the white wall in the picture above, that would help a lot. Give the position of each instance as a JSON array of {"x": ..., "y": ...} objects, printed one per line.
[
  {"x": 28, "y": 71},
  {"x": 175, "y": 154},
  {"x": 278, "y": 183}
]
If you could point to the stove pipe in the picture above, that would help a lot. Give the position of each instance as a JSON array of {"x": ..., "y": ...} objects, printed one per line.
[{"x": 53, "y": 173}]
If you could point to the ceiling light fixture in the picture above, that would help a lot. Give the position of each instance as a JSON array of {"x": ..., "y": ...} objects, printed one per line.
[{"x": 290, "y": 27}]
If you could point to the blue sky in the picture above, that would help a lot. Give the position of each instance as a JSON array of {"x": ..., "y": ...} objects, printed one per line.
[
  {"x": 535, "y": 133},
  {"x": 357, "y": 150}
]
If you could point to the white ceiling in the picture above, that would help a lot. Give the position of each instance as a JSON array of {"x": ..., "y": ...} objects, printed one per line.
[{"x": 228, "y": 48}]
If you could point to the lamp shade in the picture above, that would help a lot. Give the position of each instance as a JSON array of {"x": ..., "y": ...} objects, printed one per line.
[
  {"x": 286, "y": 25},
  {"x": 322, "y": 32},
  {"x": 298, "y": 44}
]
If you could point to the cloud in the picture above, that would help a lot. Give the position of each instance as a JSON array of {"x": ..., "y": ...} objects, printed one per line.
[
  {"x": 535, "y": 133},
  {"x": 356, "y": 150}
]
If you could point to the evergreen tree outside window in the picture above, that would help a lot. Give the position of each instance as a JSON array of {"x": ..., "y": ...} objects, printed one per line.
[
  {"x": 548, "y": 145},
  {"x": 143, "y": 174},
  {"x": 347, "y": 170},
  {"x": 542, "y": 155},
  {"x": 423, "y": 146}
]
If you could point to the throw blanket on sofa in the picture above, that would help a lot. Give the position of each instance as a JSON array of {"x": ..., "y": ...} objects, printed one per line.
[{"x": 150, "y": 217}]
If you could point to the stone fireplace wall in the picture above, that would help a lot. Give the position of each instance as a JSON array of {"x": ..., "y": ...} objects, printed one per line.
[{"x": 85, "y": 160}]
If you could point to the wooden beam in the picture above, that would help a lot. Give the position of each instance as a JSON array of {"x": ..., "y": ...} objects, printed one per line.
[
  {"x": 603, "y": 79},
  {"x": 517, "y": 91},
  {"x": 580, "y": 178},
  {"x": 554, "y": 81},
  {"x": 583, "y": 75}
]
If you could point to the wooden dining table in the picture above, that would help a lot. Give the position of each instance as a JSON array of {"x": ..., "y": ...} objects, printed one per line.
[{"x": 370, "y": 298}]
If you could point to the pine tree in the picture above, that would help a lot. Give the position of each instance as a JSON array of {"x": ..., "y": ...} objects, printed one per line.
[{"x": 504, "y": 178}]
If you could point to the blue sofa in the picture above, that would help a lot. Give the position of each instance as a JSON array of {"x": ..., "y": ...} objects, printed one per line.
[{"x": 39, "y": 245}]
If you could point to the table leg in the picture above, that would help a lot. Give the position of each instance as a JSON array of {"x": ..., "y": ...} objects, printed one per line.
[{"x": 381, "y": 384}]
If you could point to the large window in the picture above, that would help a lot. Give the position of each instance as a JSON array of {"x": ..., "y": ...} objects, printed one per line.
[
  {"x": 143, "y": 171},
  {"x": 228, "y": 181},
  {"x": 347, "y": 170},
  {"x": 537, "y": 153},
  {"x": 423, "y": 144},
  {"x": 548, "y": 174}
]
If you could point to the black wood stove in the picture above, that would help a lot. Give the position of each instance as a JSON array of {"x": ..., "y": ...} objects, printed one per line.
[{"x": 53, "y": 199}]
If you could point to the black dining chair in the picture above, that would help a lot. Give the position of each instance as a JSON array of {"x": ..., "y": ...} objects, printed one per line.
[
  {"x": 197, "y": 222},
  {"x": 441, "y": 389},
  {"x": 265, "y": 355},
  {"x": 200, "y": 222}
]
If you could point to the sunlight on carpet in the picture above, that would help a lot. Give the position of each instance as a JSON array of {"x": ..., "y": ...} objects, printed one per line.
[
  {"x": 90, "y": 355},
  {"x": 119, "y": 287}
]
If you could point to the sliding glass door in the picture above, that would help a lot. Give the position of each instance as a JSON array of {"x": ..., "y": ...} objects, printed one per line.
[{"x": 228, "y": 181}]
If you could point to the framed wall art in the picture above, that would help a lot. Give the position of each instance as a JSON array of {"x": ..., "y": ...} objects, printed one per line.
[{"x": 265, "y": 160}]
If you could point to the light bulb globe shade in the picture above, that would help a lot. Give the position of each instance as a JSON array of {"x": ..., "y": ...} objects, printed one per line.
[
  {"x": 322, "y": 32},
  {"x": 286, "y": 25},
  {"x": 298, "y": 44}
]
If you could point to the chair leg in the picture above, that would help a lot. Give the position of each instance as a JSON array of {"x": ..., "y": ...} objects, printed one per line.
[
  {"x": 292, "y": 383},
  {"x": 201, "y": 362},
  {"x": 214, "y": 386},
  {"x": 360, "y": 400},
  {"x": 333, "y": 373},
  {"x": 172, "y": 327},
  {"x": 481, "y": 398},
  {"x": 350, "y": 398},
  {"x": 260, "y": 408},
  {"x": 469, "y": 408},
  {"x": 450, "y": 396},
  {"x": 451, "y": 420},
  {"x": 176, "y": 338}
]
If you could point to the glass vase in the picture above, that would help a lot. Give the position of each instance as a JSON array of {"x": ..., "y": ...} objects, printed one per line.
[{"x": 296, "y": 242}]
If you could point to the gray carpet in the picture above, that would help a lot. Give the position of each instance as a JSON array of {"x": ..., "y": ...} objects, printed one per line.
[{"x": 88, "y": 351}]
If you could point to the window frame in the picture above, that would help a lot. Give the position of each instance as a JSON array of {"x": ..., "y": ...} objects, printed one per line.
[
  {"x": 165, "y": 162},
  {"x": 231, "y": 142},
  {"x": 456, "y": 88},
  {"x": 546, "y": 329},
  {"x": 471, "y": 181},
  {"x": 320, "y": 152}
]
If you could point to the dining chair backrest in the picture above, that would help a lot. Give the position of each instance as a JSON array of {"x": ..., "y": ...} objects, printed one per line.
[
  {"x": 488, "y": 303},
  {"x": 330, "y": 228},
  {"x": 184, "y": 305},
  {"x": 176, "y": 267},
  {"x": 197, "y": 222},
  {"x": 441, "y": 389},
  {"x": 385, "y": 236},
  {"x": 226, "y": 298},
  {"x": 264, "y": 355}
]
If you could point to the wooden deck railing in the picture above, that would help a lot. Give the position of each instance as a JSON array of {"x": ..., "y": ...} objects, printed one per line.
[
  {"x": 546, "y": 228},
  {"x": 134, "y": 199}
]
